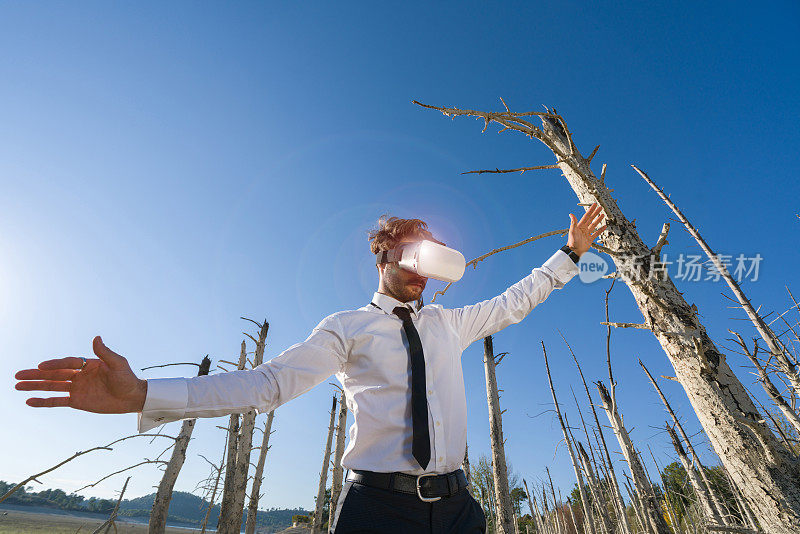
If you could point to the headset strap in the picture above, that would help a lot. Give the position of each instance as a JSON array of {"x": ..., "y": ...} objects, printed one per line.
[{"x": 389, "y": 256}]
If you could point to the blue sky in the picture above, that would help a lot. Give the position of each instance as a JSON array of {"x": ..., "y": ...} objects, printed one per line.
[{"x": 167, "y": 169}]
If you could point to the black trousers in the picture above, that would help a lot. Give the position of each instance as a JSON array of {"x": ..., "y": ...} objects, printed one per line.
[{"x": 367, "y": 510}]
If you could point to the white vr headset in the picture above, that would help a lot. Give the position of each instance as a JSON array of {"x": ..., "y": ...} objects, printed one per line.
[{"x": 427, "y": 259}]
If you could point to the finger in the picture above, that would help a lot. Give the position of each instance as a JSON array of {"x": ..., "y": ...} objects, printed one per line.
[
  {"x": 596, "y": 221},
  {"x": 111, "y": 358},
  {"x": 52, "y": 402},
  {"x": 584, "y": 217},
  {"x": 599, "y": 215},
  {"x": 43, "y": 385},
  {"x": 38, "y": 374},
  {"x": 70, "y": 362},
  {"x": 599, "y": 231},
  {"x": 590, "y": 213}
]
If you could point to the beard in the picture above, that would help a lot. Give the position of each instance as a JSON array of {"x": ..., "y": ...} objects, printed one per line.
[{"x": 400, "y": 288}]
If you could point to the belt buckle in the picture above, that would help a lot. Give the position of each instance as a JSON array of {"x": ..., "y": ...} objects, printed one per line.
[{"x": 419, "y": 494}]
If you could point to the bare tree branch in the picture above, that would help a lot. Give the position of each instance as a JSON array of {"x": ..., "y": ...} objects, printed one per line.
[{"x": 76, "y": 455}]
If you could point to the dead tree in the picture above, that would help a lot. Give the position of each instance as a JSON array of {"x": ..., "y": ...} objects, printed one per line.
[
  {"x": 323, "y": 476},
  {"x": 760, "y": 464},
  {"x": 557, "y": 504},
  {"x": 244, "y": 441},
  {"x": 704, "y": 491},
  {"x": 587, "y": 508},
  {"x": 158, "y": 514},
  {"x": 744, "y": 511},
  {"x": 504, "y": 523},
  {"x": 598, "y": 497},
  {"x": 466, "y": 465},
  {"x": 258, "y": 477},
  {"x": 694, "y": 478},
  {"x": 541, "y": 526},
  {"x": 337, "y": 475},
  {"x": 616, "y": 492},
  {"x": 216, "y": 474},
  {"x": 775, "y": 395},
  {"x": 777, "y": 349},
  {"x": 530, "y": 504},
  {"x": 644, "y": 489},
  {"x": 226, "y": 523},
  {"x": 105, "y": 527}
]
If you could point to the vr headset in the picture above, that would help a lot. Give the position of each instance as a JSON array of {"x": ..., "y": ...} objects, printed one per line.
[{"x": 427, "y": 259}]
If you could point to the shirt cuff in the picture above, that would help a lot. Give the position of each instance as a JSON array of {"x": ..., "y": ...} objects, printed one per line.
[
  {"x": 165, "y": 402},
  {"x": 562, "y": 266}
]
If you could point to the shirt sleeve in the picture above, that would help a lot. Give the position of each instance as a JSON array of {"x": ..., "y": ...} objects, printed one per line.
[
  {"x": 290, "y": 374},
  {"x": 483, "y": 319}
]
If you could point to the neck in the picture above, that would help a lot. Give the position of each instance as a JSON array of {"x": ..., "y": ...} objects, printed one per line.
[{"x": 390, "y": 294}]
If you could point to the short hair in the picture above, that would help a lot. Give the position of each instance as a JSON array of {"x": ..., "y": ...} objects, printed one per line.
[{"x": 391, "y": 230}]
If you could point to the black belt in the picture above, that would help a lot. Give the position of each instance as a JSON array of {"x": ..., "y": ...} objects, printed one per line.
[{"x": 429, "y": 487}]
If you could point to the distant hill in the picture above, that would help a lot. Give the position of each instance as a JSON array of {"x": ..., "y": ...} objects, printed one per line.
[
  {"x": 189, "y": 508},
  {"x": 185, "y": 508}
]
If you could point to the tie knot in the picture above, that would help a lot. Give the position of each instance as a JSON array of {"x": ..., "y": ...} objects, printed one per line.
[{"x": 402, "y": 312}]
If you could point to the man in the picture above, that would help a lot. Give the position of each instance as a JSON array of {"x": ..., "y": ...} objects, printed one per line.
[{"x": 400, "y": 367}]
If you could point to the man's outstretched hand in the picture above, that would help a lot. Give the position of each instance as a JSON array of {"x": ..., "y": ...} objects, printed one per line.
[
  {"x": 582, "y": 233},
  {"x": 104, "y": 385}
]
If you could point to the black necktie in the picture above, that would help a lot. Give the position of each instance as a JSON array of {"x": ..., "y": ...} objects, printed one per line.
[{"x": 421, "y": 444}]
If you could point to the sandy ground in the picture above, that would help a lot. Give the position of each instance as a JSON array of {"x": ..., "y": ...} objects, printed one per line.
[{"x": 18, "y": 522}]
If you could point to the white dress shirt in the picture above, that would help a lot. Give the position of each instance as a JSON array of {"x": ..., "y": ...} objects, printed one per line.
[{"x": 368, "y": 353}]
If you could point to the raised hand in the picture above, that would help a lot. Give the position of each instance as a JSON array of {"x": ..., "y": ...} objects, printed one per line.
[
  {"x": 103, "y": 385},
  {"x": 582, "y": 233}
]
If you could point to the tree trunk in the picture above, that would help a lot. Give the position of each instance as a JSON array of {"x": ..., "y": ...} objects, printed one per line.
[
  {"x": 534, "y": 515},
  {"x": 705, "y": 493},
  {"x": 694, "y": 479},
  {"x": 598, "y": 496},
  {"x": 244, "y": 445},
  {"x": 258, "y": 477},
  {"x": 747, "y": 517},
  {"x": 466, "y": 465},
  {"x": 338, "y": 472},
  {"x": 644, "y": 488},
  {"x": 769, "y": 387},
  {"x": 556, "y": 504},
  {"x": 214, "y": 490},
  {"x": 777, "y": 349},
  {"x": 760, "y": 464},
  {"x": 225, "y": 523},
  {"x": 111, "y": 518},
  {"x": 644, "y": 524},
  {"x": 160, "y": 510},
  {"x": 540, "y": 519},
  {"x": 323, "y": 477},
  {"x": 572, "y": 516},
  {"x": 616, "y": 492},
  {"x": 505, "y": 512},
  {"x": 587, "y": 507}
]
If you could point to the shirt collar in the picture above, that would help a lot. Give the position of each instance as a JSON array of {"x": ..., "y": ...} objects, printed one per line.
[{"x": 388, "y": 304}]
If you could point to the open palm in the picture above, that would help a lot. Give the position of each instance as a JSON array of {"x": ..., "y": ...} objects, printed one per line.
[
  {"x": 582, "y": 233},
  {"x": 103, "y": 385}
]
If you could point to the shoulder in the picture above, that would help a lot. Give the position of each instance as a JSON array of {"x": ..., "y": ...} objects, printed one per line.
[
  {"x": 436, "y": 310},
  {"x": 341, "y": 318}
]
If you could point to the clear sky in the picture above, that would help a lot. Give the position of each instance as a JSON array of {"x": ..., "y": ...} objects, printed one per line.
[{"x": 168, "y": 168}]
